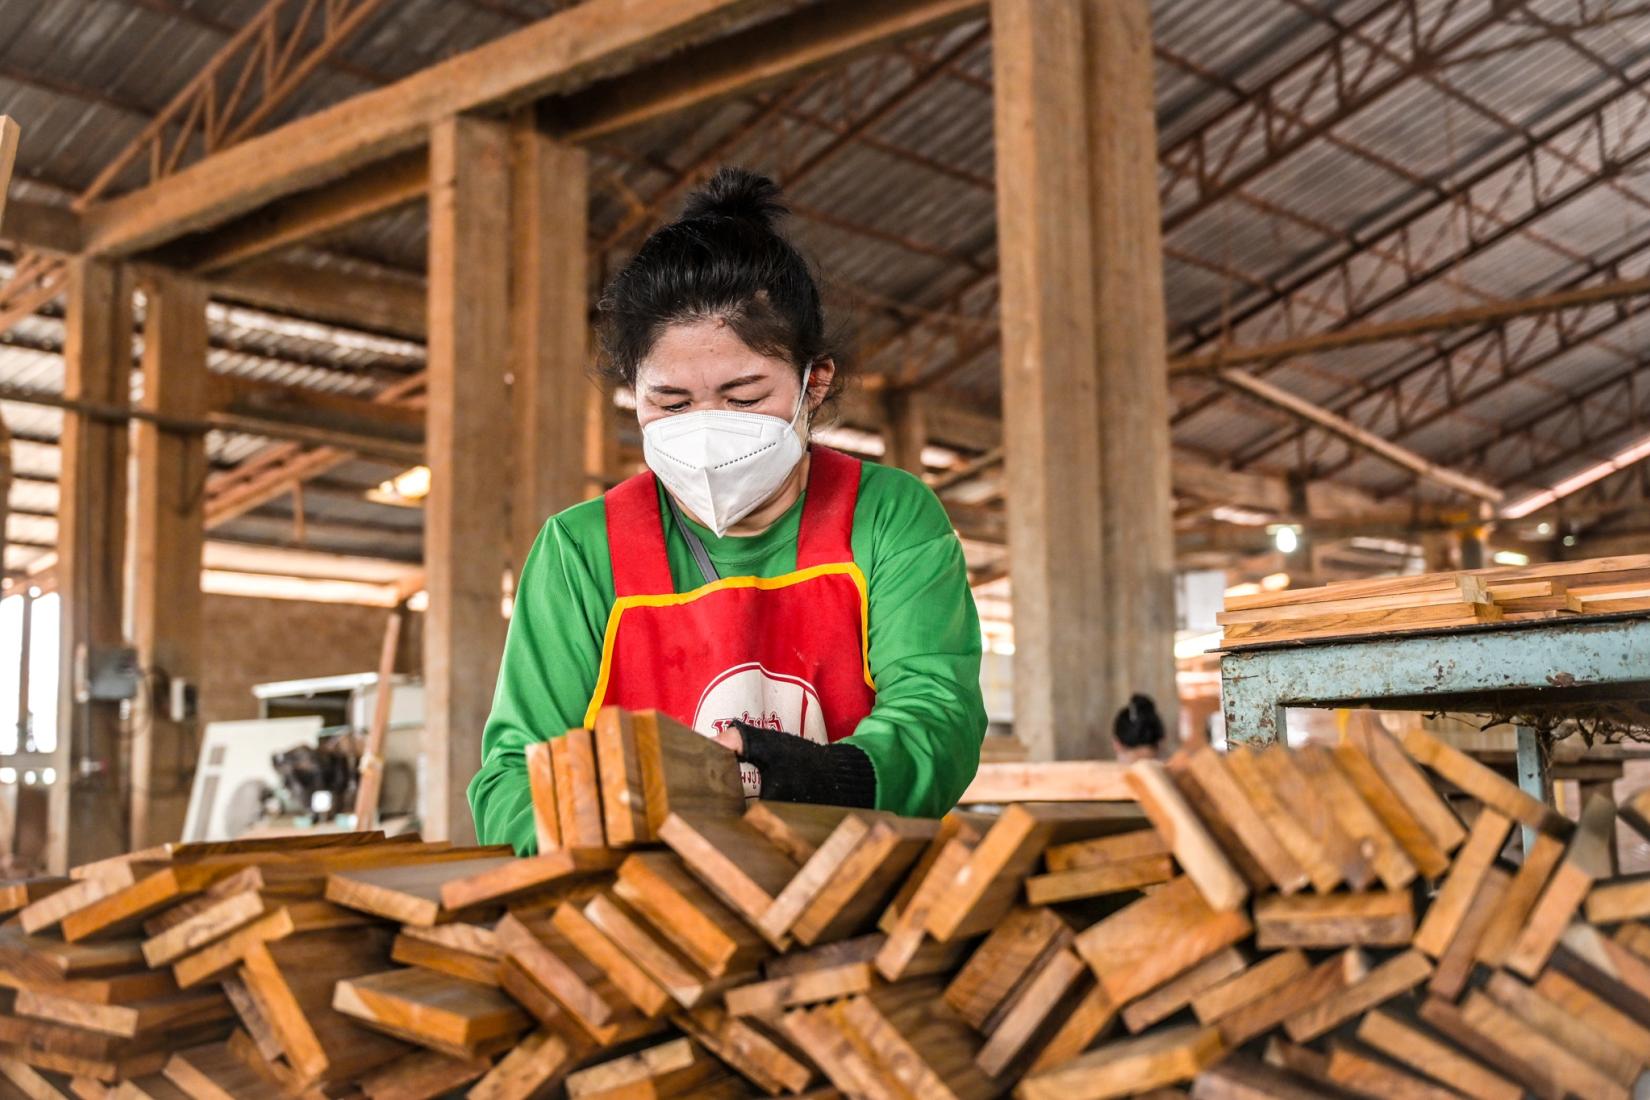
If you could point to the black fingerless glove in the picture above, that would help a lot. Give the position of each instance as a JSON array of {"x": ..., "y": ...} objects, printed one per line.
[{"x": 795, "y": 769}]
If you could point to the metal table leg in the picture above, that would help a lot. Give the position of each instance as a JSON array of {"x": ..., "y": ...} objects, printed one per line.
[{"x": 1533, "y": 775}]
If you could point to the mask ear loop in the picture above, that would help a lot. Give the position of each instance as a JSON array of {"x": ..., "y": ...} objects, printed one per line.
[{"x": 802, "y": 398}]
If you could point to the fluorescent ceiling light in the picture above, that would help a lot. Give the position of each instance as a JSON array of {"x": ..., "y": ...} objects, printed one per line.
[
  {"x": 1510, "y": 557},
  {"x": 1620, "y": 461}
]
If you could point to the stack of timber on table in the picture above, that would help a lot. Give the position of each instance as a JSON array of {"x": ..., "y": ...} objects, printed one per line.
[
  {"x": 1286, "y": 923},
  {"x": 1436, "y": 601}
]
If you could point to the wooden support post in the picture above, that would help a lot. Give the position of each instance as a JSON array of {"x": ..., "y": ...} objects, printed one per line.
[
  {"x": 1137, "y": 499},
  {"x": 1085, "y": 404},
  {"x": 906, "y": 431},
  {"x": 5, "y": 494},
  {"x": 170, "y": 531},
  {"x": 86, "y": 815},
  {"x": 601, "y": 441},
  {"x": 466, "y": 517},
  {"x": 548, "y": 328}
]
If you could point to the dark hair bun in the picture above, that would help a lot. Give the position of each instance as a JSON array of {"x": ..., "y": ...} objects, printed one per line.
[
  {"x": 737, "y": 193},
  {"x": 1138, "y": 724}
]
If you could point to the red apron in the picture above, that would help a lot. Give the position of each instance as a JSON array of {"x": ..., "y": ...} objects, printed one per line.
[{"x": 785, "y": 653}]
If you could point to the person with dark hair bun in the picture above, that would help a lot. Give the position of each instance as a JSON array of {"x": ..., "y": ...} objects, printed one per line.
[
  {"x": 807, "y": 610},
  {"x": 1137, "y": 732}
]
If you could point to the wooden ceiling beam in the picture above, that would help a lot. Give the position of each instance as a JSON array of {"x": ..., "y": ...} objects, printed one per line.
[
  {"x": 559, "y": 54},
  {"x": 748, "y": 63}
]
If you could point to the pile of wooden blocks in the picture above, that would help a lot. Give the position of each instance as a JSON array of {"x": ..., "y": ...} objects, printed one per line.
[
  {"x": 1324, "y": 921},
  {"x": 1434, "y": 601}
]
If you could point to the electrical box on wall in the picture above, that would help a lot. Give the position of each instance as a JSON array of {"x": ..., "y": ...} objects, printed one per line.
[
  {"x": 182, "y": 699},
  {"x": 105, "y": 674}
]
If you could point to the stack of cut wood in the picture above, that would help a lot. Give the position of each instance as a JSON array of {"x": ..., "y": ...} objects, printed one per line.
[
  {"x": 1286, "y": 923},
  {"x": 1435, "y": 601}
]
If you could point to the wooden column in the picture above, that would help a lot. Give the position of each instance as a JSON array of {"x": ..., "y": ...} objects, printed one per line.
[
  {"x": 601, "y": 440},
  {"x": 87, "y": 813},
  {"x": 169, "y": 527},
  {"x": 906, "y": 431},
  {"x": 5, "y": 494},
  {"x": 466, "y": 517},
  {"x": 1085, "y": 367},
  {"x": 549, "y": 306},
  {"x": 1050, "y": 391},
  {"x": 1132, "y": 332}
]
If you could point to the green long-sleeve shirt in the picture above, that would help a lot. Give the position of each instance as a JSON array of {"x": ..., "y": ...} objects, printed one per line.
[{"x": 922, "y": 736}]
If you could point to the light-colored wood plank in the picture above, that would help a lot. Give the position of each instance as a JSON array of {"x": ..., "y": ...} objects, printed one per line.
[
  {"x": 1174, "y": 995},
  {"x": 1417, "y": 1047},
  {"x": 1194, "y": 848},
  {"x": 1397, "y": 975},
  {"x": 1589, "y": 857},
  {"x": 1483, "y": 783},
  {"x": 1129, "y": 1066},
  {"x": 1381, "y": 918},
  {"x": 1049, "y": 781},
  {"x": 1449, "y": 908},
  {"x": 1156, "y": 938}
]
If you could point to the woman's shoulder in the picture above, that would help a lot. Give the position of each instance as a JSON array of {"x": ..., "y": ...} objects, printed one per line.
[{"x": 900, "y": 503}]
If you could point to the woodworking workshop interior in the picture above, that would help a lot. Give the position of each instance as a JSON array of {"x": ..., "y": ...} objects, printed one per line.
[{"x": 839, "y": 549}]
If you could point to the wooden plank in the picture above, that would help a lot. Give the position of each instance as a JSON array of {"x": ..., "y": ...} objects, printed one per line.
[
  {"x": 1242, "y": 1078},
  {"x": 1381, "y": 918},
  {"x": 1194, "y": 849},
  {"x": 1410, "y": 784},
  {"x": 1156, "y": 938},
  {"x": 122, "y": 911},
  {"x": 17, "y": 893},
  {"x": 10, "y": 135},
  {"x": 814, "y": 874},
  {"x": 733, "y": 860},
  {"x": 1356, "y": 819},
  {"x": 1231, "y": 802},
  {"x": 128, "y": 1021},
  {"x": 533, "y": 1069},
  {"x": 578, "y": 790},
  {"x": 1129, "y": 1066},
  {"x": 1456, "y": 963},
  {"x": 1526, "y": 887},
  {"x": 444, "y": 960},
  {"x": 796, "y": 828},
  {"x": 44, "y": 958},
  {"x": 990, "y": 883},
  {"x": 623, "y": 796},
  {"x": 1597, "y": 1050},
  {"x": 1460, "y": 586},
  {"x": 215, "y": 922},
  {"x": 686, "y": 983},
  {"x": 293, "y": 982},
  {"x": 656, "y": 885},
  {"x": 684, "y": 772},
  {"x": 288, "y": 920},
  {"x": 746, "y": 1048},
  {"x": 1448, "y": 1020},
  {"x": 447, "y": 1014},
  {"x": 865, "y": 881},
  {"x": 1357, "y": 1072},
  {"x": 1119, "y": 876},
  {"x": 1595, "y": 1012},
  {"x": 1049, "y": 781},
  {"x": 1296, "y": 603},
  {"x": 1092, "y": 1018},
  {"x": 1037, "y": 1009},
  {"x": 541, "y": 783},
  {"x": 1547, "y": 1055},
  {"x": 48, "y": 911},
  {"x": 804, "y": 988},
  {"x": 907, "y": 933},
  {"x": 410, "y": 893},
  {"x": 559, "y": 872},
  {"x": 1104, "y": 849},
  {"x": 1280, "y": 765},
  {"x": 213, "y": 1072},
  {"x": 918, "y": 1047},
  {"x": 1607, "y": 967},
  {"x": 1293, "y": 997},
  {"x": 422, "y": 1075},
  {"x": 1383, "y": 801},
  {"x": 1014, "y": 948},
  {"x": 1414, "y": 1045},
  {"x": 1177, "y": 994},
  {"x": 1263, "y": 977},
  {"x": 1449, "y": 908},
  {"x": 1279, "y": 817},
  {"x": 671, "y": 1068},
  {"x": 1362, "y": 623},
  {"x": 627, "y": 976},
  {"x": 472, "y": 939},
  {"x": 1397, "y": 975},
  {"x": 575, "y": 982},
  {"x": 1483, "y": 783},
  {"x": 1589, "y": 857}
]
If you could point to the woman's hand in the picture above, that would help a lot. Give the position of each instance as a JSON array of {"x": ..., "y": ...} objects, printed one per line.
[{"x": 731, "y": 739}]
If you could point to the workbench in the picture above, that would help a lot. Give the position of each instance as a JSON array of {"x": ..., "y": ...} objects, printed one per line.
[{"x": 1556, "y": 667}]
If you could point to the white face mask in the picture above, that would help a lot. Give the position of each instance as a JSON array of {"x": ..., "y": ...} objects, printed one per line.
[{"x": 723, "y": 465}]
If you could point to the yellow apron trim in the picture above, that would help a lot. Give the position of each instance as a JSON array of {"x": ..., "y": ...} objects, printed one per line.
[{"x": 672, "y": 599}]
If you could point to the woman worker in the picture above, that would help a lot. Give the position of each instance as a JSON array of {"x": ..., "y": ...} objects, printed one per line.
[{"x": 808, "y": 611}]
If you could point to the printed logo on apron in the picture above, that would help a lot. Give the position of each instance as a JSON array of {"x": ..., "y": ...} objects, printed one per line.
[{"x": 751, "y": 694}]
